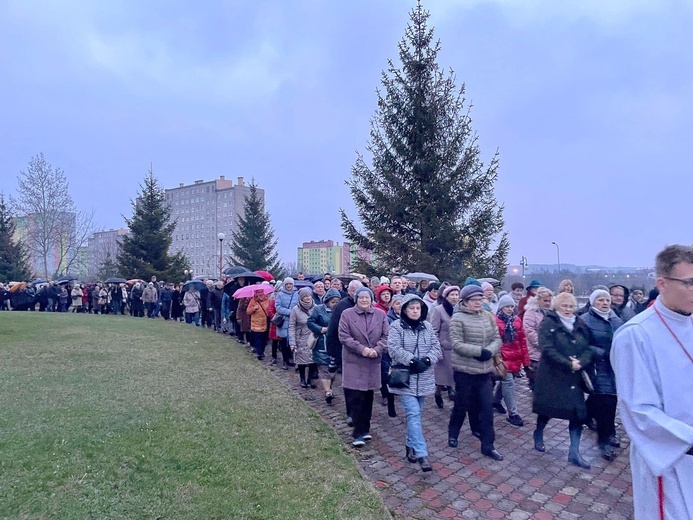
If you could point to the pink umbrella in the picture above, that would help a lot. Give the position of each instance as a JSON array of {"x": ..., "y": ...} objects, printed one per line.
[{"x": 249, "y": 290}]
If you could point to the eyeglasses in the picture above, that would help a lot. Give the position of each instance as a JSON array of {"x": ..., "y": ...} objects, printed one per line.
[{"x": 686, "y": 283}]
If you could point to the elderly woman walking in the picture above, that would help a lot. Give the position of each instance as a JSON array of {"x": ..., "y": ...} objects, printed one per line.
[
  {"x": 412, "y": 342},
  {"x": 558, "y": 393},
  {"x": 440, "y": 320},
  {"x": 299, "y": 333},
  {"x": 536, "y": 309},
  {"x": 317, "y": 322},
  {"x": 475, "y": 340},
  {"x": 363, "y": 334},
  {"x": 284, "y": 302},
  {"x": 258, "y": 312}
]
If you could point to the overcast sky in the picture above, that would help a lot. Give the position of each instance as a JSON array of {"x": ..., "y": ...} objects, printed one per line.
[{"x": 589, "y": 103}]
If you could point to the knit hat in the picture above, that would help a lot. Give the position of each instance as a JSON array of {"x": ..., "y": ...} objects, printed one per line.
[
  {"x": 288, "y": 279},
  {"x": 449, "y": 289},
  {"x": 485, "y": 286},
  {"x": 384, "y": 280},
  {"x": 397, "y": 298},
  {"x": 472, "y": 281},
  {"x": 331, "y": 293},
  {"x": 534, "y": 283},
  {"x": 362, "y": 290},
  {"x": 596, "y": 294},
  {"x": 469, "y": 291},
  {"x": 305, "y": 291},
  {"x": 506, "y": 301}
]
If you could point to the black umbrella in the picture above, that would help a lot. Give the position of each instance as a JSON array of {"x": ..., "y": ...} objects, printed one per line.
[
  {"x": 250, "y": 278},
  {"x": 67, "y": 278},
  {"x": 197, "y": 284},
  {"x": 115, "y": 279},
  {"x": 232, "y": 271},
  {"x": 317, "y": 278},
  {"x": 38, "y": 281},
  {"x": 300, "y": 284}
]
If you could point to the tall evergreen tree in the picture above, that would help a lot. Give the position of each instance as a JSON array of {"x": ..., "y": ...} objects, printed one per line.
[
  {"x": 253, "y": 244},
  {"x": 426, "y": 201},
  {"x": 108, "y": 268},
  {"x": 144, "y": 252},
  {"x": 14, "y": 257}
]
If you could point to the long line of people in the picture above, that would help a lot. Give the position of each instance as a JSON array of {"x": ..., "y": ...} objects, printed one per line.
[{"x": 447, "y": 339}]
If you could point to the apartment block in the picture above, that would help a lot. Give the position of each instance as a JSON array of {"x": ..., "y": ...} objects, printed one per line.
[
  {"x": 203, "y": 210},
  {"x": 102, "y": 245}
]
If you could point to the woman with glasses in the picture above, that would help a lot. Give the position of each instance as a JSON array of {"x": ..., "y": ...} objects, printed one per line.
[{"x": 558, "y": 391}]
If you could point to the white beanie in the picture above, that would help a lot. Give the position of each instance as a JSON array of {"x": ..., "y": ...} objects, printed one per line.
[
  {"x": 384, "y": 280},
  {"x": 596, "y": 294}
]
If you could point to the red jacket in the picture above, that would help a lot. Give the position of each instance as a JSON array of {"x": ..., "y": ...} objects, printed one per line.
[{"x": 515, "y": 353}]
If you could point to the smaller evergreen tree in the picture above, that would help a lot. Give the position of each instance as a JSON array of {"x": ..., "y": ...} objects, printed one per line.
[
  {"x": 144, "y": 252},
  {"x": 108, "y": 268},
  {"x": 14, "y": 258},
  {"x": 253, "y": 243}
]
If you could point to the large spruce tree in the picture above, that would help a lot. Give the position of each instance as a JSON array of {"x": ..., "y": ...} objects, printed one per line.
[
  {"x": 145, "y": 251},
  {"x": 253, "y": 244},
  {"x": 426, "y": 200},
  {"x": 14, "y": 257}
]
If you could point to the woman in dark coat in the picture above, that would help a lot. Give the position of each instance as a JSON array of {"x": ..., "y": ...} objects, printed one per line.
[
  {"x": 176, "y": 310},
  {"x": 440, "y": 320},
  {"x": 564, "y": 342},
  {"x": 317, "y": 322},
  {"x": 602, "y": 322}
]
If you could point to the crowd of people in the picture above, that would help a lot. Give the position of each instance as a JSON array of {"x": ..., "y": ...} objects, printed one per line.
[{"x": 469, "y": 343}]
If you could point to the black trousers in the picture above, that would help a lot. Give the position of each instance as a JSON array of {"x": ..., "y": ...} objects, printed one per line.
[
  {"x": 361, "y": 409},
  {"x": 473, "y": 397},
  {"x": 603, "y": 408}
]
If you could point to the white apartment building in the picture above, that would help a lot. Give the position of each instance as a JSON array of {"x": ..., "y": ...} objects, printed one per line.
[
  {"x": 100, "y": 246},
  {"x": 203, "y": 210}
]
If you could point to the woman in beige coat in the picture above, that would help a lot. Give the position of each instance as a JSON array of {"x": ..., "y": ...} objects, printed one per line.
[{"x": 299, "y": 334}]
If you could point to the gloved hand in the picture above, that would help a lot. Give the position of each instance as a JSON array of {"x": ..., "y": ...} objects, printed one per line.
[
  {"x": 485, "y": 355},
  {"x": 427, "y": 360},
  {"x": 416, "y": 366}
]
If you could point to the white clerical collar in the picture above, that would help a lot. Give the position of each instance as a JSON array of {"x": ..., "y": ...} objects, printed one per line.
[{"x": 672, "y": 315}]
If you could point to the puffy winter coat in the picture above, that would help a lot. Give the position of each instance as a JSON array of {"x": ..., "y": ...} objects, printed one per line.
[
  {"x": 283, "y": 303},
  {"x": 470, "y": 332},
  {"x": 257, "y": 310},
  {"x": 515, "y": 353},
  {"x": 530, "y": 324},
  {"x": 299, "y": 333},
  {"x": 404, "y": 344},
  {"x": 601, "y": 333}
]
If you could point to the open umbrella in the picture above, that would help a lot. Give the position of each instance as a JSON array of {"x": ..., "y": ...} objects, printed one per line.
[
  {"x": 249, "y": 276},
  {"x": 115, "y": 279},
  {"x": 18, "y": 287},
  {"x": 197, "y": 284},
  {"x": 492, "y": 281},
  {"x": 134, "y": 281},
  {"x": 67, "y": 278},
  {"x": 266, "y": 275},
  {"x": 38, "y": 280},
  {"x": 346, "y": 278},
  {"x": 231, "y": 271},
  {"x": 417, "y": 277},
  {"x": 300, "y": 284},
  {"x": 248, "y": 291}
]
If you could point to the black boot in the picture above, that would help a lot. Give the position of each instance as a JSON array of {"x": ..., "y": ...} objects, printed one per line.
[
  {"x": 539, "y": 440},
  {"x": 391, "y": 406},
  {"x": 574, "y": 456},
  {"x": 411, "y": 454},
  {"x": 425, "y": 465},
  {"x": 439, "y": 401}
]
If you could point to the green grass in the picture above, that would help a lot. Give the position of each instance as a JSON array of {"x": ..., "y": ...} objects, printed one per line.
[{"x": 117, "y": 417}]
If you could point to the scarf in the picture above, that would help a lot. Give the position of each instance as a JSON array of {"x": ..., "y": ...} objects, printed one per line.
[
  {"x": 568, "y": 323},
  {"x": 510, "y": 333},
  {"x": 448, "y": 308},
  {"x": 602, "y": 314},
  {"x": 412, "y": 323},
  {"x": 306, "y": 307}
]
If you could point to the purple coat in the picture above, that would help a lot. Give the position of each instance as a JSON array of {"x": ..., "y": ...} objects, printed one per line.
[{"x": 359, "y": 329}]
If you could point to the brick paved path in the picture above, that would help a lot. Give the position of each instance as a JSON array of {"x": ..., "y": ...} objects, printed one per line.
[{"x": 466, "y": 484}]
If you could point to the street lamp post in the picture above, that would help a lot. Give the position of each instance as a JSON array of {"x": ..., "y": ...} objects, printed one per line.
[
  {"x": 188, "y": 273},
  {"x": 221, "y": 237},
  {"x": 558, "y": 256}
]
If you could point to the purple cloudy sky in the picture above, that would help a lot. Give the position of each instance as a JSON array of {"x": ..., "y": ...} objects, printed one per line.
[{"x": 588, "y": 102}]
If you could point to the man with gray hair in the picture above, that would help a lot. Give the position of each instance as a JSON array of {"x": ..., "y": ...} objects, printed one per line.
[
  {"x": 652, "y": 357},
  {"x": 334, "y": 346}
]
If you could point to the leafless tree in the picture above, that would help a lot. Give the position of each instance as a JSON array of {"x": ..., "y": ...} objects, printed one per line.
[{"x": 55, "y": 230}]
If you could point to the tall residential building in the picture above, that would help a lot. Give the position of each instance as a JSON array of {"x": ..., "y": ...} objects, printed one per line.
[
  {"x": 101, "y": 245},
  {"x": 203, "y": 210},
  {"x": 325, "y": 256},
  {"x": 47, "y": 237}
]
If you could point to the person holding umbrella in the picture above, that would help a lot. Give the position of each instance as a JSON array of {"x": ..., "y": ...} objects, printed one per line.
[
  {"x": 191, "y": 302},
  {"x": 258, "y": 309}
]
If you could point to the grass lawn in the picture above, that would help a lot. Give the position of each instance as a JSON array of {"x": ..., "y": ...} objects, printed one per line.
[{"x": 117, "y": 417}]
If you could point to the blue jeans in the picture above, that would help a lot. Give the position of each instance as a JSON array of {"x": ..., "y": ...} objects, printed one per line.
[
  {"x": 192, "y": 316},
  {"x": 413, "y": 407},
  {"x": 506, "y": 390}
]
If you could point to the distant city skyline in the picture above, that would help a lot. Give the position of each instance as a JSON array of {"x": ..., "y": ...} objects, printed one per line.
[{"x": 588, "y": 104}]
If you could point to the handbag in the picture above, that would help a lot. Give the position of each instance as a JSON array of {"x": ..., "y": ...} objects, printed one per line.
[
  {"x": 586, "y": 385},
  {"x": 500, "y": 370},
  {"x": 398, "y": 376},
  {"x": 312, "y": 341},
  {"x": 278, "y": 320}
]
